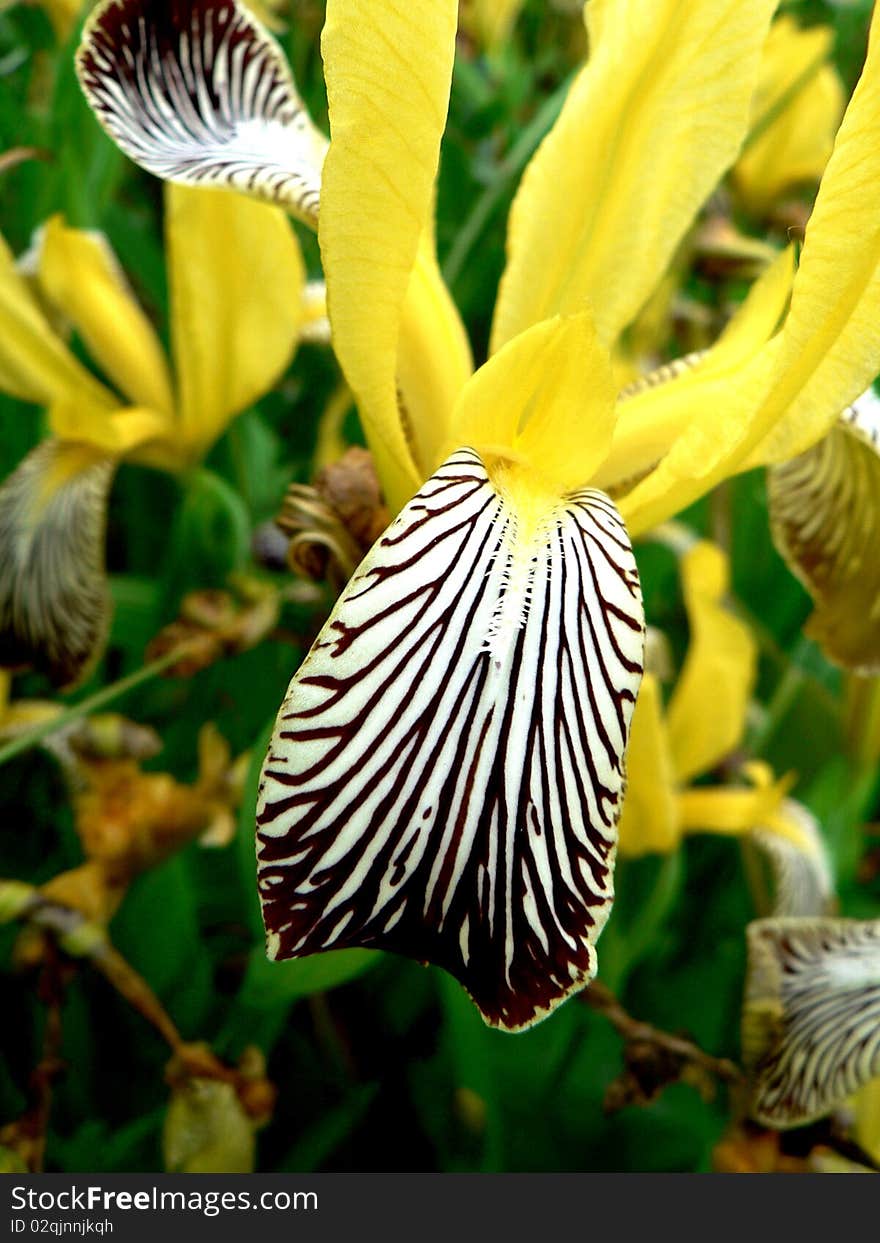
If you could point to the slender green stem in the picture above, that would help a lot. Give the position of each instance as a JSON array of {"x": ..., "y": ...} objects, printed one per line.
[
  {"x": 481, "y": 212},
  {"x": 33, "y": 737},
  {"x": 862, "y": 720}
]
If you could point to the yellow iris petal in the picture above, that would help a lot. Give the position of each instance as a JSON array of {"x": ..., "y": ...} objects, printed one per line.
[
  {"x": 236, "y": 278},
  {"x": 649, "y": 821},
  {"x": 433, "y": 360},
  {"x": 613, "y": 187},
  {"x": 117, "y": 432},
  {"x": 80, "y": 275},
  {"x": 707, "y": 711},
  {"x": 828, "y": 352},
  {"x": 388, "y": 87},
  {"x": 795, "y": 148},
  {"x": 546, "y": 398},
  {"x": 490, "y": 22},
  {"x": 726, "y": 810},
  {"x": 35, "y": 365},
  {"x": 686, "y": 417},
  {"x": 831, "y": 350}
]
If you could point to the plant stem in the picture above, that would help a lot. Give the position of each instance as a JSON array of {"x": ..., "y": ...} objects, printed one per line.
[{"x": 33, "y": 737}]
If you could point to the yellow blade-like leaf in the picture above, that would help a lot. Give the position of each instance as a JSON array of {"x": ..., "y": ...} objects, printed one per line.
[
  {"x": 546, "y": 398},
  {"x": 35, "y": 365},
  {"x": 236, "y": 278},
  {"x": 649, "y": 126},
  {"x": 81, "y": 276},
  {"x": 707, "y": 711},
  {"x": 388, "y": 71},
  {"x": 649, "y": 821}
]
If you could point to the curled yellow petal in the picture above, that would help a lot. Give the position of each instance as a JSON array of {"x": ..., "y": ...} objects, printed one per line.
[
  {"x": 707, "y": 711},
  {"x": 35, "y": 365},
  {"x": 236, "y": 277},
  {"x": 728, "y": 810},
  {"x": 649, "y": 821},
  {"x": 388, "y": 74},
  {"x": 615, "y": 184},
  {"x": 117, "y": 432},
  {"x": 547, "y": 397},
  {"x": 825, "y": 520},
  {"x": 680, "y": 416},
  {"x": 81, "y": 276}
]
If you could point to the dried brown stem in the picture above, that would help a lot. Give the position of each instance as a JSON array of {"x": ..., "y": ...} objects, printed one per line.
[{"x": 655, "y": 1058}]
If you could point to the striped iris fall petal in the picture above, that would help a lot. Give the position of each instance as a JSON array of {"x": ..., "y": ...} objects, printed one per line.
[
  {"x": 54, "y": 600},
  {"x": 811, "y": 1018},
  {"x": 446, "y": 772},
  {"x": 197, "y": 91},
  {"x": 825, "y": 519}
]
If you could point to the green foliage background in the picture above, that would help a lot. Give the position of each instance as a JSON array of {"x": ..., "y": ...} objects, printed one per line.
[{"x": 380, "y": 1064}]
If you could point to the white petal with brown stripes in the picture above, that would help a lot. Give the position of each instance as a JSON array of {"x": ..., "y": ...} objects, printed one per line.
[
  {"x": 446, "y": 772},
  {"x": 811, "y": 1019},
  {"x": 825, "y": 521},
  {"x": 198, "y": 91}
]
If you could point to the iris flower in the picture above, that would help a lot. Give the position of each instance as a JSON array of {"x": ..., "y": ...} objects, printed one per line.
[
  {"x": 811, "y": 1016},
  {"x": 447, "y": 770},
  {"x": 227, "y": 346},
  {"x": 796, "y": 110}
]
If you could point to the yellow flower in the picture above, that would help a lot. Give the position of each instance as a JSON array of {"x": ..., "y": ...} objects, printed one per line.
[
  {"x": 447, "y": 771},
  {"x": 235, "y": 276},
  {"x": 489, "y": 22},
  {"x": 795, "y": 114},
  {"x": 703, "y": 724}
]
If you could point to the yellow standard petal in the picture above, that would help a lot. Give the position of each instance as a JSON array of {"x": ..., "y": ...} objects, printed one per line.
[
  {"x": 829, "y": 350},
  {"x": 545, "y": 400},
  {"x": 388, "y": 74},
  {"x": 707, "y": 711},
  {"x": 236, "y": 279},
  {"x": 649, "y": 821},
  {"x": 615, "y": 184},
  {"x": 80, "y": 275}
]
